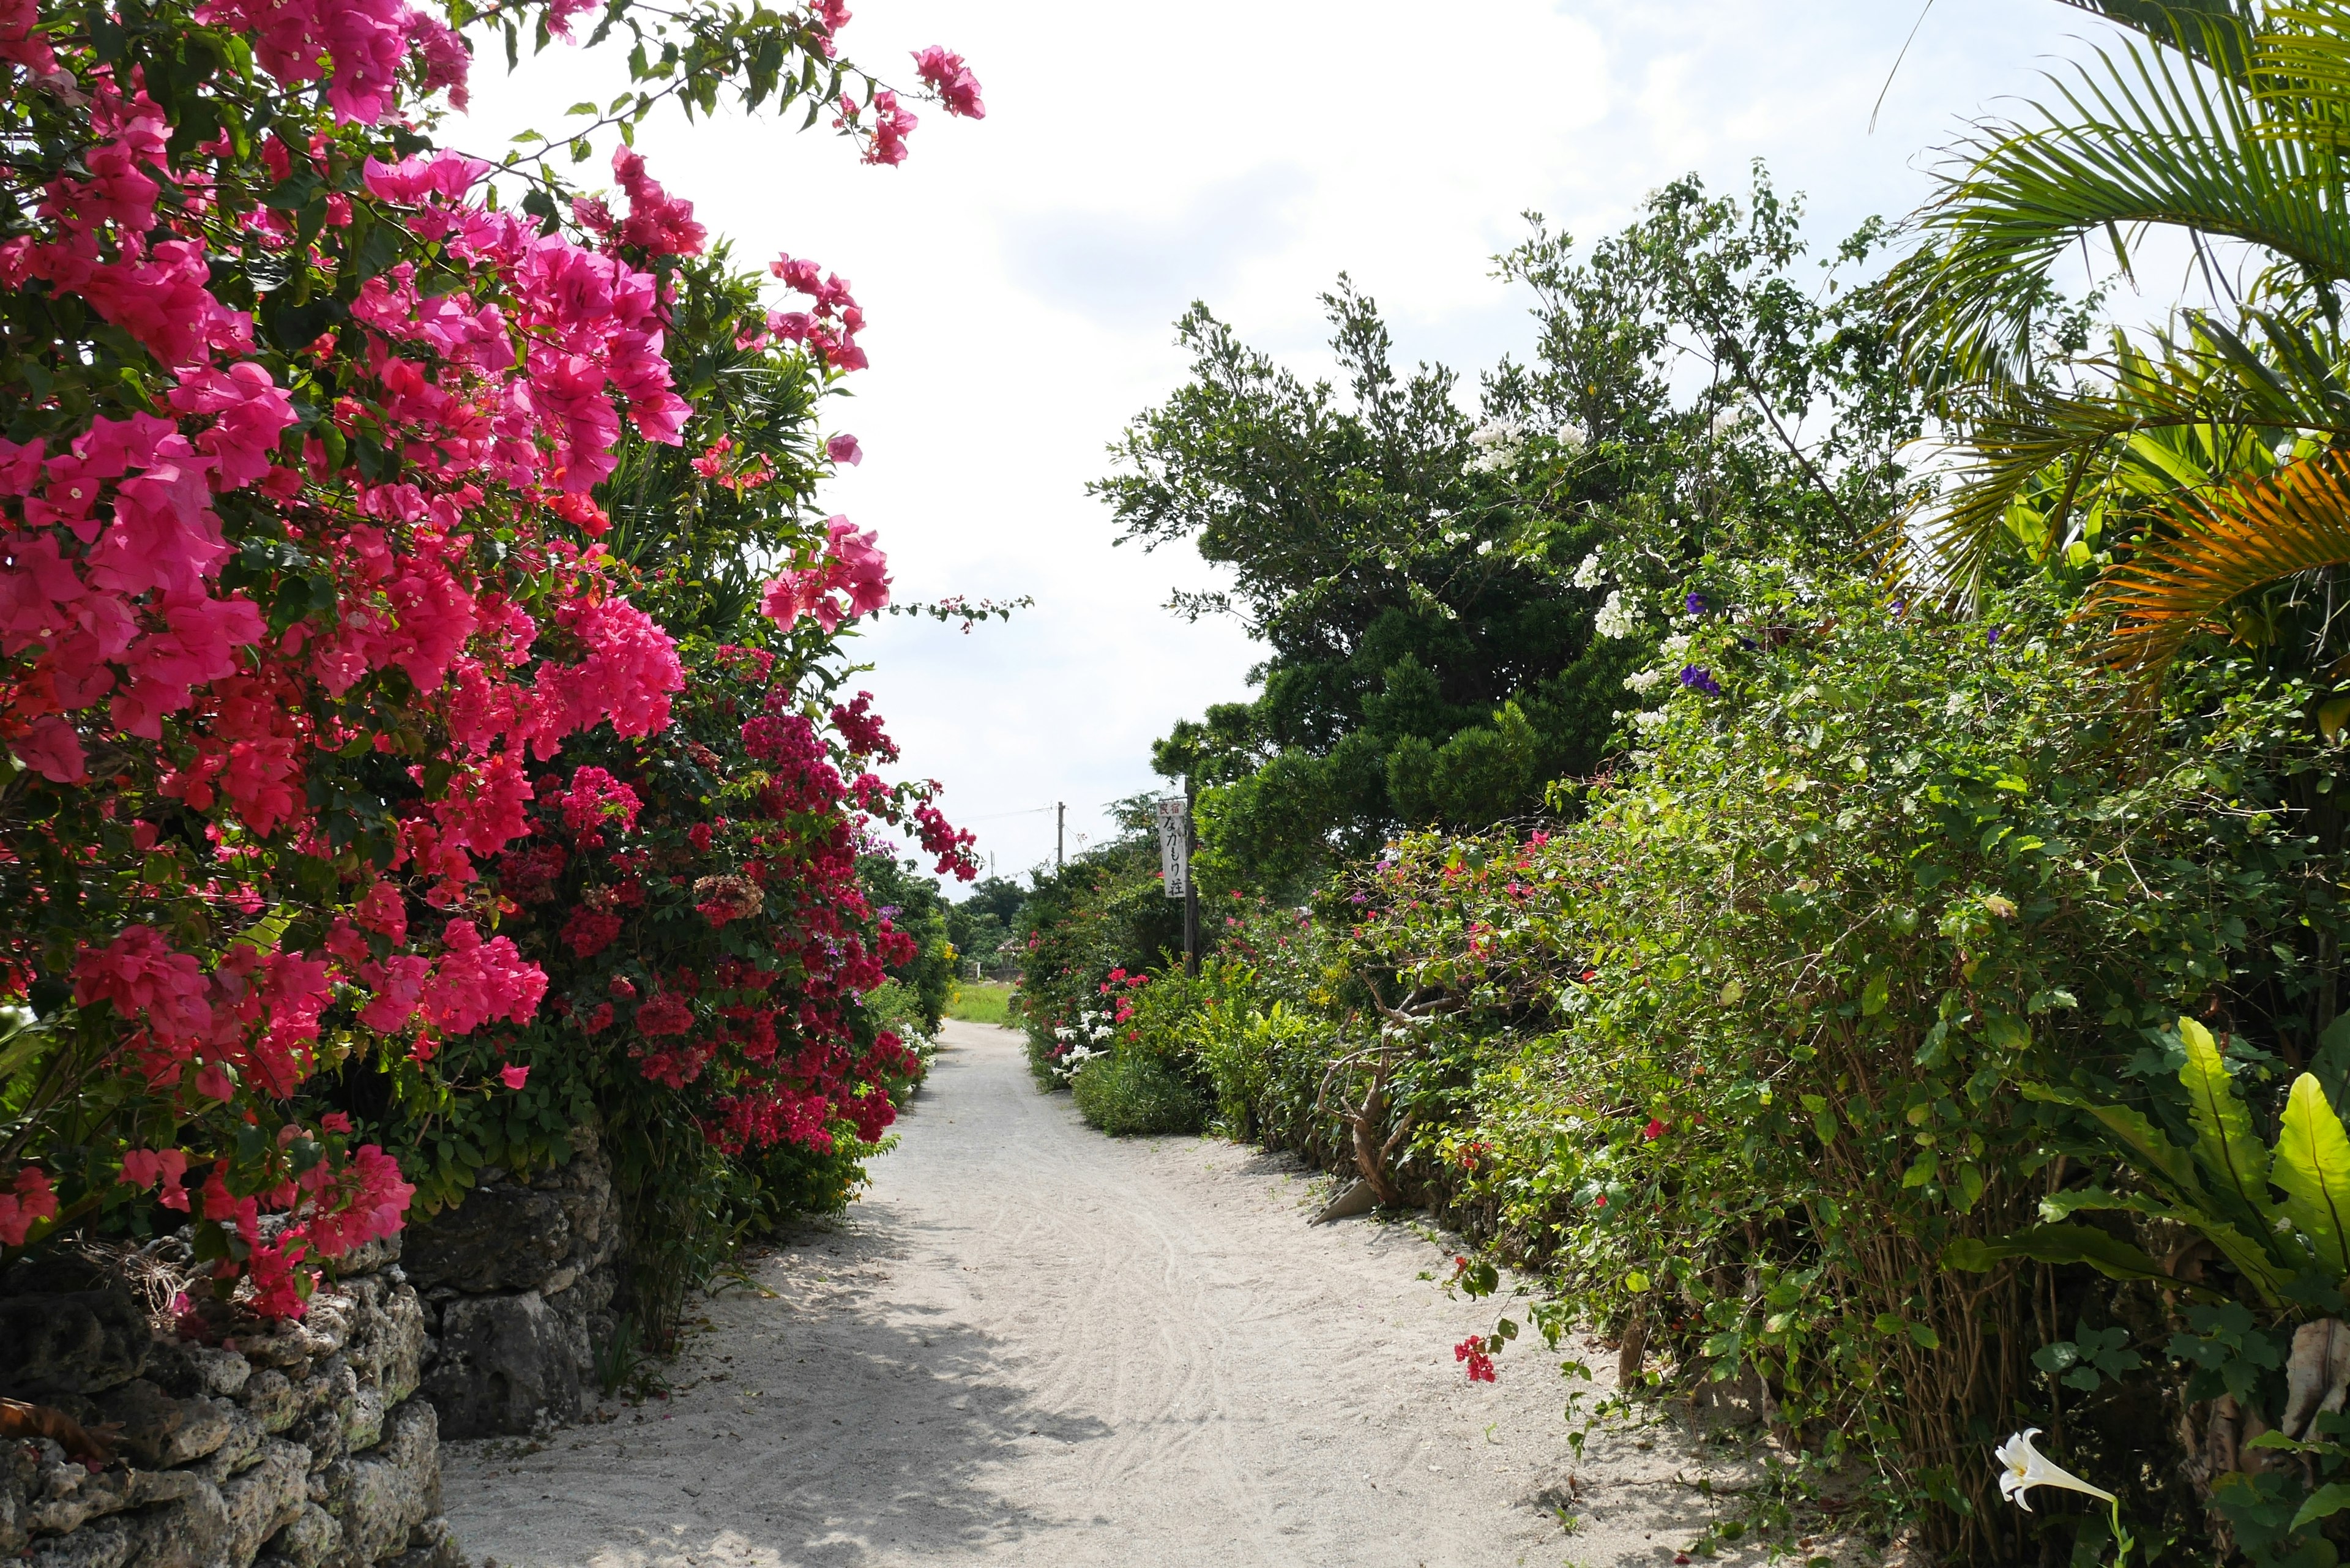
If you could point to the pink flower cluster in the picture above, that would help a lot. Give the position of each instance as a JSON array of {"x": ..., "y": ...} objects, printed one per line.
[
  {"x": 861, "y": 728},
  {"x": 892, "y": 123},
  {"x": 830, "y": 324},
  {"x": 473, "y": 982},
  {"x": 595, "y": 327},
  {"x": 254, "y": 1019},
  {"x": 595, "y": 801},
  {"x": 851, "y": 579},
  {"x": 943, "y": 72},
  {"x": 28, "y": 1199},
  {"x": 364, "y": 41},
  {"x": 362, "y": 1202},
  {"x": 952, "y": 845},
  {"x": 658, "y": 223}
]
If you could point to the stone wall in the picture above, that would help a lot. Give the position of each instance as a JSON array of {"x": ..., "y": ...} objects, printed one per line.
[
  {"x": 289, "y": 1445},
  {"x": 517, "y": 1284}
]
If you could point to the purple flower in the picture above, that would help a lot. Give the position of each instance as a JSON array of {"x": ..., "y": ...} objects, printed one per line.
[
  {"x": 1695, "y": 603},
  {"x": 1697, "y": 678},
  {"x": 888, "y": 911},
  {"x": 1992, "y": 640}
]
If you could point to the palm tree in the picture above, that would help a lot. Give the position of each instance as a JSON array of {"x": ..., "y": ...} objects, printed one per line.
[{"x": 2215, "y": 449}]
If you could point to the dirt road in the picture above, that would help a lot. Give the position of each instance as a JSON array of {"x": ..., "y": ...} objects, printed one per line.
[{"x": 1033, "y": 1344}]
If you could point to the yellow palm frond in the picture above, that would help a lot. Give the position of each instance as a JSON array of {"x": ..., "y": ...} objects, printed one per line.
[{"x": 2222, "y": 546}]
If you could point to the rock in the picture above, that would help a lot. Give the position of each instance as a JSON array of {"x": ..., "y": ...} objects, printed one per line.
[
  {"x": 386, "y": 1347},
  {"x": 1359, "y": 1198},
  {"x": 265, "y": 1499},
  {"x": 104, "y": 1545},
  {"x": 367, "y": 1257},
  {"x": 184, "y": 1370},
  {"x": 382, "y": 1497},
  {"x": 499, "y": 1237},
  {"x": 433, "y": 1545},
  {"x": 269, "y": 1398},
  {"x": 159, "y": 1431},
  {"x": 363, "y": 1422},
  {"x": 400, "y": 1356},
  {"x": 291, "y": 1346},
  {"x": 79, "y": 1342},
  {"x": 505, "y": 1363},
  {"x": 72, "y": 1496},
  {"x": 192, "y": 1532},
  {"x": 315, "y": 1537},
  {"x": 20, "y": 1482},
  {"x": 239, "y": 1450}
]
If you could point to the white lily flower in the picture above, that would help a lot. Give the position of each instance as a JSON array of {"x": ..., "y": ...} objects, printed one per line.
[{"x": 2023, "y": 1467}]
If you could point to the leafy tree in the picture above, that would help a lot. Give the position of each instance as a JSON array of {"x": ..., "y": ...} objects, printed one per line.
[
  {"x": 1433, "y": 591},
  {"x": 981, "y": 925}
]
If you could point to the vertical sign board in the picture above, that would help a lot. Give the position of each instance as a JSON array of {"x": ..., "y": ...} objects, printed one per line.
[{"x": 1174, "y": 845}]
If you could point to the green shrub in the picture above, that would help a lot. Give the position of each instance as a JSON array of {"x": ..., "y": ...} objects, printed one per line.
[{"x": 1131, "y": 1092}]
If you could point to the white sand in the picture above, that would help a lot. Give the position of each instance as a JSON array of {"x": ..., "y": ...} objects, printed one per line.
[{"x": 1033, "y": 1344}]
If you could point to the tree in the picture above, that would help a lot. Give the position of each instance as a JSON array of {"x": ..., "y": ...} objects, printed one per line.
[
  {"x": 1441, "y": 598},
  {"x": 984, "y": 922}
]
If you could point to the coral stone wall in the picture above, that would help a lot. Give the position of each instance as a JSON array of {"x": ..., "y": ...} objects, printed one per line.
[
  {"x": 517, "y": 1284},
  {"x": 292, "y": 1445}
]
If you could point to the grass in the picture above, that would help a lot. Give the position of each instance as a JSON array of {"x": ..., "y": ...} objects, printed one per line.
[
  {"x": 1123, "y": 1094},
  {"x": 980, "y": 1002}
]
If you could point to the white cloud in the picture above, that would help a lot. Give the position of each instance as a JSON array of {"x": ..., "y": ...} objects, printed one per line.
[{"x": 1020, "y": 273}]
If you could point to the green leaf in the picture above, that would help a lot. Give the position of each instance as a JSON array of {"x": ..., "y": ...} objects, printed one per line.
[
  {"x": 2226, "y": 1146},
  {"x": 2324, "y": 1503},
  {"x": 2058, "y": 1244},
  {"x": 2313, "y": 1169},
  {"x": 1923, "y": 1333},
  {"x": 1874, "y": 994}
]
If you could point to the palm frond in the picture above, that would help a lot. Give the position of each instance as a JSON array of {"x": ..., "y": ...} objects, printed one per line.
[
  {"x": 2301, "y": 71},
  {"x": 2206, "y": 386},
  {"x": 2189, "y": 24},
  {"x": 2145, "y": 137},
  {"x": 2255, "y": 533}
]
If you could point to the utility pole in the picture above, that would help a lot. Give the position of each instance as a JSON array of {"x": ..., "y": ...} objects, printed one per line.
[
  {"x": 1060, "y": 833},
  {"x": 1190, "y": 881}
]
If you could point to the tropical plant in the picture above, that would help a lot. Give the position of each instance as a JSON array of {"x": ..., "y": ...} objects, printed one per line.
[
  {"x": 2192, "y": 463},
  {"x": 2263, "y": 1333},
  {"x": 313, "y": 433}
]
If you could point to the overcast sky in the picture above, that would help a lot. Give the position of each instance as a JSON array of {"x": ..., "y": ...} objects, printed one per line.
[{"x": 1020, "y": 275}]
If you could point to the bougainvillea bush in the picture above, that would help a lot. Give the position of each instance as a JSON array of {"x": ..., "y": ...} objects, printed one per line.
[{"x": 311, "y": 638}]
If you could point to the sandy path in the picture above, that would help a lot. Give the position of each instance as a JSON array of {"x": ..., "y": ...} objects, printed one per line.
[{"x": 1032, "y": 1343}]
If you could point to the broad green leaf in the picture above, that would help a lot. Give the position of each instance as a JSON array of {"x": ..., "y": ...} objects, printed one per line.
[
  {"x": 2158, "y": 1156},
  {"x": 2058, "y": 1244},
  {"x": 2063, "y": 1205},
  {"x": 2324, "y": 1503},
  {"x": 2226, "y": 1146},
  {"x": 2313, "y": 1168}
]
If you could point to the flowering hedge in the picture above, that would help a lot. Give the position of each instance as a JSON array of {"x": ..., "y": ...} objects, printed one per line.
[{"x": 310, "y": 633}]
